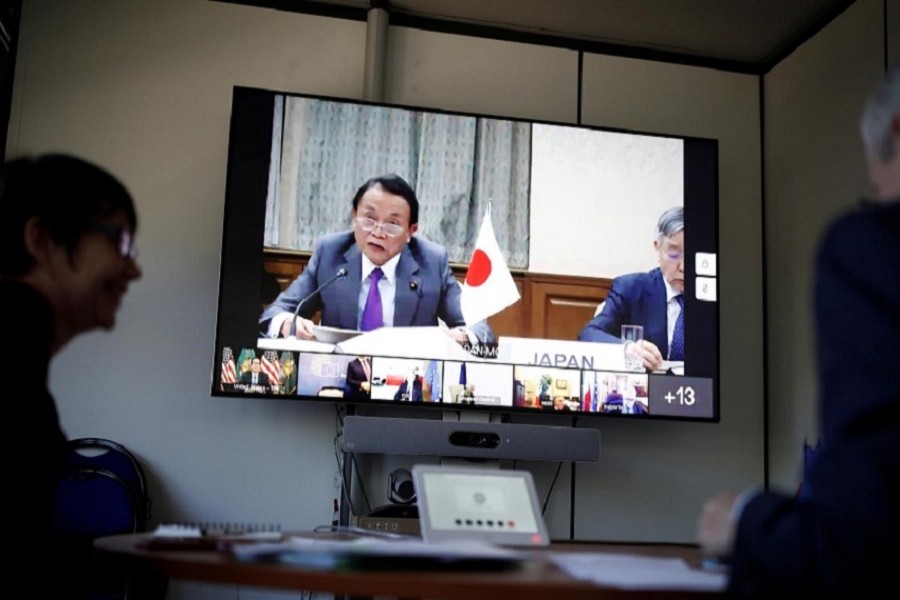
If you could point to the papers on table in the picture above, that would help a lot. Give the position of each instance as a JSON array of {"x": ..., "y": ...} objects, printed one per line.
[
  {"x": 178, "y": 536},
  {"x": 633, "y": 572},
  {"x": 675, "y": 367},
  {"x": 177, "y": 530},
  {"x": 294, "y": 345},
  {"x": 333, "y": 335},
  {"x": 624, "y": 571},
  {"x": 421, "y": 342},
  {"x": 371, "y": 553}
]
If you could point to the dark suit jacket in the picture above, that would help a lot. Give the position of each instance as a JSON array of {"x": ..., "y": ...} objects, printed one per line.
[
  {"x": 33, "y": 469},
  {"x": 262, "y": 378},
  {"x": 635, "y": 299},
  {"x": 27, "y": 326},
  {"x": 841, "y": 539},
  {"x": 638, "y": 408},
  {"x": 426, "y": 289},
  {"x": 416, "y": 393},
  {"x": 613, "y": 402},
  {"x": 356, "y": 375}
]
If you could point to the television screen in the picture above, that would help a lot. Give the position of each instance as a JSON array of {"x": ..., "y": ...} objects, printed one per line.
[{"x": 527, "y": 266}]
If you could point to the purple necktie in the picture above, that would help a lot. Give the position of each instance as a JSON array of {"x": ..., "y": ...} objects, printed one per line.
[
  {"x": 373, "y": 315},
  {"x": 676, "y": 350}
]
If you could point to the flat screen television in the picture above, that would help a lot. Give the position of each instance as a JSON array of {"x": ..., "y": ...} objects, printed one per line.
[{"x": 572, "y": 208}]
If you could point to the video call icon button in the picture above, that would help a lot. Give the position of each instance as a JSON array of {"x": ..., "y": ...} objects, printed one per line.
[
  {"x": 705, "y": 288},
  {"x": 705, "y": 264}
]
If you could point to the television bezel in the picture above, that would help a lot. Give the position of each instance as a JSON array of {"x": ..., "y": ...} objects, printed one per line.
[{"x": 250, "y": 145}]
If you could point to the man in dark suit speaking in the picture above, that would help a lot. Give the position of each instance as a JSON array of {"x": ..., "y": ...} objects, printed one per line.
[
  {"x": 654, "y": 299},
  {"x": 390, "y": 278}
]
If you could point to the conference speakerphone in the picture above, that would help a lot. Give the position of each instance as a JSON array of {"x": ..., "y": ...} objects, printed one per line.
[
  {"x": 456, "y": 439},
  {"x": 492, "y": 505}
]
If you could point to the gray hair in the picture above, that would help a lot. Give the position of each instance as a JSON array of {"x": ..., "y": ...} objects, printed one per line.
[
  {"x": 875, "y": 123},
  {"x": 670, "y": 223}
]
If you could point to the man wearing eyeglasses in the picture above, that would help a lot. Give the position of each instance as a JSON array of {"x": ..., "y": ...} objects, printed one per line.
[
  {"x": 391, "y": 277},
  {"x": 654, "y": 300}
]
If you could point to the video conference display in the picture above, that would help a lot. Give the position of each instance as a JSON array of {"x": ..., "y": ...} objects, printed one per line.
[{"x": 563, "y": 200}]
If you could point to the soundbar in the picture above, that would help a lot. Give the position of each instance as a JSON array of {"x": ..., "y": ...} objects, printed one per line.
[{"x": 458, "y": 439}]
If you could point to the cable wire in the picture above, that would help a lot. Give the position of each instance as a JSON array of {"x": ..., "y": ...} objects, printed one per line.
[{"x": 552, "y": 485}]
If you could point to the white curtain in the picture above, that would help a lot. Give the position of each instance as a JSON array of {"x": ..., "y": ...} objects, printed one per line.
[{"x": 322, "y": 151}]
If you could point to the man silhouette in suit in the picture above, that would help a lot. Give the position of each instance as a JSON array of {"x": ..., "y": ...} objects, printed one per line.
[
  {"x": 412, "y": 275},
  {"x": 653, "y": 300},
  {"x": 255, "y": 377},
  {"x": 613, "y": 401},
  {"x": 359, "y": 378},
  {"x": 838, "y": 538},
  {"x": 411, "y": 388}
]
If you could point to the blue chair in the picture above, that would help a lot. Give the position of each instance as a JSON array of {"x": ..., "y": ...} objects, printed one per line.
[
  {"x": 107, "y": 455},
  {"x": 102, "y": 492}
]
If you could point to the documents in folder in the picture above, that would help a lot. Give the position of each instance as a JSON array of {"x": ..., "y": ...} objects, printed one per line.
[
  {"x": 421, "y": 342},
  {"x": 380, "y": 554}
]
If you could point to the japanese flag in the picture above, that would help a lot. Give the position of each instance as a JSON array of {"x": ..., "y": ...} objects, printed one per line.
[{"x": 489, "y": 286}]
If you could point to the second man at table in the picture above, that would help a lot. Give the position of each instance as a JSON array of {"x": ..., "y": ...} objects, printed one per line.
[{"x": 654, "y": 300}]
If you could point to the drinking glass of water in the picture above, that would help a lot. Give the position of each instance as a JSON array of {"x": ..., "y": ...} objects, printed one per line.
[{"x": 632, "y": 338}]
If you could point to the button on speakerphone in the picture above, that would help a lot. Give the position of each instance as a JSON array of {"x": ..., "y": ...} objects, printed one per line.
[{"x": 483, "y": 523}]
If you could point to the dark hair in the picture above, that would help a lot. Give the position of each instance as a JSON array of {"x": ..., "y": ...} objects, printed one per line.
[
  {"x": 396, "y": 185},
  {"x": 65, "y": 193}
]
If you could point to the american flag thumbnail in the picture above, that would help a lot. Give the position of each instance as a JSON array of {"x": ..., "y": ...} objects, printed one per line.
[
  {"x": 271, "y": 366},
  {"x": 229, "y": 371}
]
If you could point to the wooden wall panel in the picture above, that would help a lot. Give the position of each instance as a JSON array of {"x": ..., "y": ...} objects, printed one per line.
[{"x": 561, "y": 307}]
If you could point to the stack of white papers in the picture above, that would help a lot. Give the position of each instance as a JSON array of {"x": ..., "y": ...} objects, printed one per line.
[
  {"x": 182, "y": 531},
  {"x": 423, "y": 342},
  {"x": 633, "y": 572}
]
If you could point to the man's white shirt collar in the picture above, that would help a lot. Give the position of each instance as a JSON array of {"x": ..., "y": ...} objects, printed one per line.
[
  {"x": 389, "y": 268},
  {"x": 670, "y": 291}
]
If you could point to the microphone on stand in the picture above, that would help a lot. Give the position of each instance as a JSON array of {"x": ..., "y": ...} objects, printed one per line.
[{"x": 339, "y": 275}]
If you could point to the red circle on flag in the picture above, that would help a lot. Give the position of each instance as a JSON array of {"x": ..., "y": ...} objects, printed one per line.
[{"x": 479, "y": 268}]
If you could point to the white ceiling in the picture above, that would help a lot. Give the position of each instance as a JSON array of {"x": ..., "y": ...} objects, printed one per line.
[{"x": 750, "y": 32}]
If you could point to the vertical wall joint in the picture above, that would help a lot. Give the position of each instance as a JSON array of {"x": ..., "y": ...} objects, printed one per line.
[{"x": 376, "y": 42}]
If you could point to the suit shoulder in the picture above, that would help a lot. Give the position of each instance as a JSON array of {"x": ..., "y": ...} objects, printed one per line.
[
  {"x": 335, "y": 243},
  {"x": 338, "y": 238},
  {"x": 887, "y": 215},
  {"x": 422, "y": 248},
  {"x": 871, "y": 231},
  {"x": 637, "y": 280}
]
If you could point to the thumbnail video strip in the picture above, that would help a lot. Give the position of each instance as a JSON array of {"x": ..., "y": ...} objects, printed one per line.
[{"x": 376, "y": 379}]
